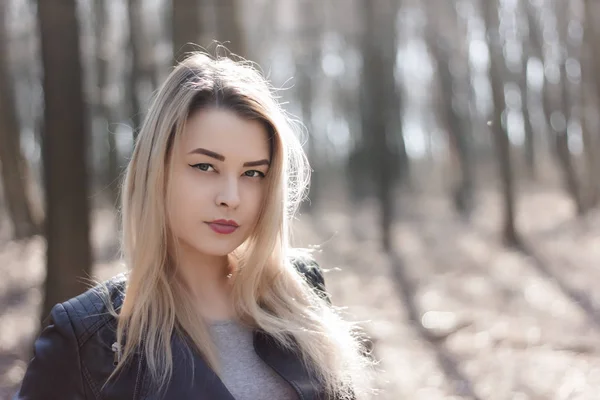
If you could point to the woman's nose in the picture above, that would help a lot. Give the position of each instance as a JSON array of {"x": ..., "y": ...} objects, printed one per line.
[{"x": 229, "y": 193}]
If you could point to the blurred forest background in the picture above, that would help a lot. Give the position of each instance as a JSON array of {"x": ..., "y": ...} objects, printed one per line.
[{"x": 456, "y": 151}]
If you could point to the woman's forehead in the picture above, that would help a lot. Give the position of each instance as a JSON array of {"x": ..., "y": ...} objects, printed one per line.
[{"x": 225, "y": 133}]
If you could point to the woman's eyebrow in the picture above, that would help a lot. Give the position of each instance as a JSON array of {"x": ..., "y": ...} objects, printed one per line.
[
  {"x": 220, "y": 157},
  {"x": 257, "y": 163},
  {"x": 209, "y": 153}
]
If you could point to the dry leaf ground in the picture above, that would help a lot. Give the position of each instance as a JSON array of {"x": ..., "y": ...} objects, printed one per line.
[{"x": 451, "y": 312}]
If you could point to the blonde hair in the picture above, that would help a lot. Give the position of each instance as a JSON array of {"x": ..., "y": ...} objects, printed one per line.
[{"x": 268, "y": 293}]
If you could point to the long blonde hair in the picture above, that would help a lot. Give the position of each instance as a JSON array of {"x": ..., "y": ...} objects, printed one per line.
[{"x": 268, "y": 293}]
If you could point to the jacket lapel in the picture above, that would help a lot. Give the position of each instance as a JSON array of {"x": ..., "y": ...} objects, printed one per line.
[
  {"x": 287, "y": 364},
  {"x": 192, "y": 378},
  {"x": 201, "y": 382}
]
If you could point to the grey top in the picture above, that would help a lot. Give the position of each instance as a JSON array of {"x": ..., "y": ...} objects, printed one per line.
[{"x": 244, "y": 373}]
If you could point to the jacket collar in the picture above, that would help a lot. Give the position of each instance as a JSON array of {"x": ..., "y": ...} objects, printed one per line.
[
  {"x": 191, "y": 379},
  {"x": 287, "y": 364},
  {"x": 189, "y": 382}
]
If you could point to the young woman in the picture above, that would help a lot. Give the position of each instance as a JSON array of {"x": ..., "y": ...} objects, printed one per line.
[{"x": 216, "y": 304}]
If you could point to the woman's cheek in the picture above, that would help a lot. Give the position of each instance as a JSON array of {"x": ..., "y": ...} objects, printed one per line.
[{"x": 255, "y": 194}]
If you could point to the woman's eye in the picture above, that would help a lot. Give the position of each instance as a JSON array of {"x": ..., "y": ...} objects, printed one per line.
[
  {"x": 254, "y": 174},
  {"x": 203, "y": 167}
]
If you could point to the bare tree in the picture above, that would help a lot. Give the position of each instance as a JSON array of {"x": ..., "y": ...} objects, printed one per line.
[
  {"x": 104, "y": 106},
  {"x": 308, "y": 39},
  {"x": 501, "y": 140},
  {"x": 455, "y": 124},
  {"x": 590, "y": 60},
  {"x": 14, "y": 167},
  {"x": 561, "y": 129},
  {"x": 380, "y": 106},
  {"x": 556, "y": 101},
  {"x": 532, "y": 46},
  {"x": 143, "y": 68},
  {"x": 591, "y": 11},
  {"x": 229, "y": 26},
  {"x": 186, "y": 27},
  {"x": 135, "y": 34},
  {"x": 64, "y": 153}
]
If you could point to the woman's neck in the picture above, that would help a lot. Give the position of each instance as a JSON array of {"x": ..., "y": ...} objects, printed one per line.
[{"x": 208, "y": 279}]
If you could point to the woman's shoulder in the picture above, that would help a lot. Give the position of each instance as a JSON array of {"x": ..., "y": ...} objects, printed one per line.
[
  {"x": 306, "y": 265},
  {"x": 91, "y": 310},
  {"x": 310, "y": 270},
  {"x": 73, "y": 337}
]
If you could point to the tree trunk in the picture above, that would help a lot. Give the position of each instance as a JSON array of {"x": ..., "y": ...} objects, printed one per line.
[
  {"x": 532, "y": 44},
  {"x": 143, "y": 68},
  {"x": 229, "y": 26},
  {"x": 307, "y": 55},
  {"x": 186, "y": 27},
  {"x": 64, "y": 154},
  {"x": 562, "y": 136},
  {"x": 380, "y": 106},
  {"x": 535, "y": 44},
  {"x": 143, "y": 50},
  {"x": 502, "y": 143},
  {"x": 15, "y": 170},
  {"x": 590, "y": 196},
  {"x": 133, "y": 11},
  {"x": 105, "y": 110},
  {"x": 594, "y": 45},
  {"x": 589, "y": 64},
  {"x": 458, "y": 138},
  {"x": 529, "y": 133}
]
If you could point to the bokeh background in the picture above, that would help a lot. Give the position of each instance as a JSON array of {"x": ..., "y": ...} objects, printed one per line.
[{"x": 455, "y": 147}]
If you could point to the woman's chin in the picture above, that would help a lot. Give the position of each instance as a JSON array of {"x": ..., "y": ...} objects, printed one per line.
[{"x": 217, "y": 249}]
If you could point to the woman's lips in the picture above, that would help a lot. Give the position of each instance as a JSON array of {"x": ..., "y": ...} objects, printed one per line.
[{"x": 221, "y": 228}]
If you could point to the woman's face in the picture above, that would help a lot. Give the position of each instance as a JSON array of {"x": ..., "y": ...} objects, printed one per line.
[{"x": 217, "y": 181}]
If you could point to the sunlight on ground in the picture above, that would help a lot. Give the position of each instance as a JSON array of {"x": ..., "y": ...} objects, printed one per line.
[{"x": 489, "y": 321}]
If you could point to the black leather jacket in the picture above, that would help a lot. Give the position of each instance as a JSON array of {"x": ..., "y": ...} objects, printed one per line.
[{"x": 73, "y": 357}]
